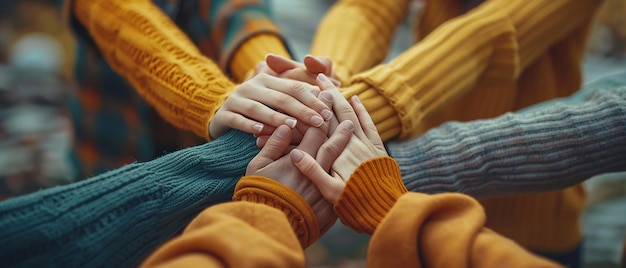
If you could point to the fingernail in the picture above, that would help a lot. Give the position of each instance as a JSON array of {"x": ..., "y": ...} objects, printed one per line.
[
  {"x": 291, "y": 122},
  {"x": 327, "y": 114},
  {"x": 316, "y": 121},
  {"x": 356, "y": 98},
  {"x": 258, "y": 127},
  {"x": 296, "y": 155},
  {"x": 327, "y": 96},
  {"x": 323, "y": 78},
  {"x": 258, "y": 140},
  {"x": 281, "y": 132},
  {"x": 349, "y": 125}
]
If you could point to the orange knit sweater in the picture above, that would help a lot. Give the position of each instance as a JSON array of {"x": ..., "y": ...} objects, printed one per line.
[
  {"x": 500, "y": 56},
  {"x": 144, "y": 46},
  {"x": 445, "y": 230}
]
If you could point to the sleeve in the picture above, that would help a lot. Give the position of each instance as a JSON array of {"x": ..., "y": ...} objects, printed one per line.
[
  {"x": 542, "y": 149},
  {"x": 235, "y": 234},
  {"x": 143, "y": 45},
  {"x": 420, "y": 230},
  {"x": 352, "y": 29},
  {"x": 488, "y": 47},
  {"x": 444, "y": 230},
  {"x": 252, "y": 231},
  {"x": 119, "y": 217}
]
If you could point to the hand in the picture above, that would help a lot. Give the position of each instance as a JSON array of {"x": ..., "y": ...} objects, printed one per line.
[
  {"x": 272, "y": 162},
  {"x": 365, "y": 144},
  {"x": 264, "y": 102}
]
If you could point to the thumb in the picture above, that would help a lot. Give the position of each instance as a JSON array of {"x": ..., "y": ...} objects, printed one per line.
[{"x": 331, "y": 188}]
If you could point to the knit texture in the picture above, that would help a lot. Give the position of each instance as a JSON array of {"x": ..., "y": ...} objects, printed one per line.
[
  {"x": 540, "y": 150},
  {"x": 370, "y": 193},
  {"x": 142, "y": 44},
  {"x": 300, "y": 215},
  {"x": 116, "y": 219}
]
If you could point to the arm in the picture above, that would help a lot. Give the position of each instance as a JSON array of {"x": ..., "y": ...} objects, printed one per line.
[
  {"x": 119, "y": 217},
  {"x": 254, "y": 232},
  {"x": 356, "y": 34},
  {"x": 540, "y": 150},
  {"x": 487, "y": 47}
]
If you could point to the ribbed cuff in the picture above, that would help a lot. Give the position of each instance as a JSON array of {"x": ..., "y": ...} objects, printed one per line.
[
  {"x": 253, "y": 51},
  {"x": 376, "y": 88},
  {"x": 369, "y": 194},
  {"x": 263, "y": 190}
]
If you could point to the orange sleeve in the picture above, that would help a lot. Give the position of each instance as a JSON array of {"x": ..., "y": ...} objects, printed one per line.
[
  {"x": 235, "y": 234},
  {"x": 446, "y": 230},
  {"x": 144, "y": 46},
  {"x": 268, "y": 225}
]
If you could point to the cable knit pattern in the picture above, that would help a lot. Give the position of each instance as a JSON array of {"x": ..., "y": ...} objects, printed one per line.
[
  {"x": 370, "y": 193},
  {"x": 258, "y": 189},
  {"x": 146, "y": 47},
  {"x": 551, "y": 148},
  {"x": 116, "y": 219}
]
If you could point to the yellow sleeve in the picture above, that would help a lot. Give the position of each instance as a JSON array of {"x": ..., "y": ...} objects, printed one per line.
[
  {"x": 487, "y": 47},
  {"x": 144, "y": 46},
  {"x": 235, "y": 234},
  {"x": 252, "y": 52},
  {"x": 356, "y": 34},
  {"x": 443, "y": 230}
]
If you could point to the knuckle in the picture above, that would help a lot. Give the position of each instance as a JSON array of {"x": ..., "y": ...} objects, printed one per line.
[{"x": 330, "y": 149}]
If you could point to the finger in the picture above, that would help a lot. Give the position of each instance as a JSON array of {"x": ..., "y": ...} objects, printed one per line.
[
  {"x": 313, "y": 139},
  {"x": 279, "y": 64},
  {"x": 342, "y": 109},
  {"x": 299, "y": 74},
  {"x": 334, "y": 146},
  {"x": 331, "y": 188},
  {"x": 327, "y": 98},
  {"x": 367, "y": 125},
  {"x": 274, "y": 148},
  {"x": 248, "y": 111},
  {"x": 316, "y": 65},
  {"x": 295, "y": 99}
]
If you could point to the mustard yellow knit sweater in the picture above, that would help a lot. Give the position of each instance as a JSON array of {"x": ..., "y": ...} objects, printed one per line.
[{"x": 500, "y": 56}]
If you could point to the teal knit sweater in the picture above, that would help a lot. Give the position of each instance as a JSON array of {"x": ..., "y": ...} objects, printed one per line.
[{"x": 118, "y": 218}]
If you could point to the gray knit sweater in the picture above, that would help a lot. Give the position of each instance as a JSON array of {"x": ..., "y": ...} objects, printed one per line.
[{"x": 550, "y": 148}]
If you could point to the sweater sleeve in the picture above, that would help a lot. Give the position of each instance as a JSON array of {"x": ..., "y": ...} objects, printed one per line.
[
  {"x": 543, "y": 149},
  {"x": 487, "y": 47},
  {"x": 300, "y": 215},
  {"x": 444, "y": 230},
  {"x": 143, "y": 45},
  {"x": 119, "y": 217},
  {"x": 235, "y": 234},
  {"x": 353, "y": 29}
]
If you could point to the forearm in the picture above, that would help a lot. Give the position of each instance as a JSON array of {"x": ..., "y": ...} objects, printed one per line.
[
  {"x": 444, "y": 230},
  {"x": 547, "y": 149},
  {"x": 236, "y": 234},
  {"x": 356, "y": 35},
  {"x": 119, "y": 217},
  {"x": 156, "y": 57}
]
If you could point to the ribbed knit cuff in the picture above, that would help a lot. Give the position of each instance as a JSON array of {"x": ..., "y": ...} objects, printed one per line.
[
  {"x": 375, "y": 88},
  {"x": 253, "y": 51},
  {"x": 369, "y": 194},
  {"x": 263, "y": 190}
]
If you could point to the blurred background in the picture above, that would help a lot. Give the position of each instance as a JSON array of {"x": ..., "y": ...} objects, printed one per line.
[{"x": 37, "y": 134}]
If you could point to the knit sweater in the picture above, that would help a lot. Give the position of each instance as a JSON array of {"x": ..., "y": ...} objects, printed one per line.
[
  {"x": 159, "y": 60},
  {"x": 446, "y": 231},
  {"x": 116, "y": 219},
  {"x": 500, "y": 56},
  {"x": 539, "y": 150}
]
